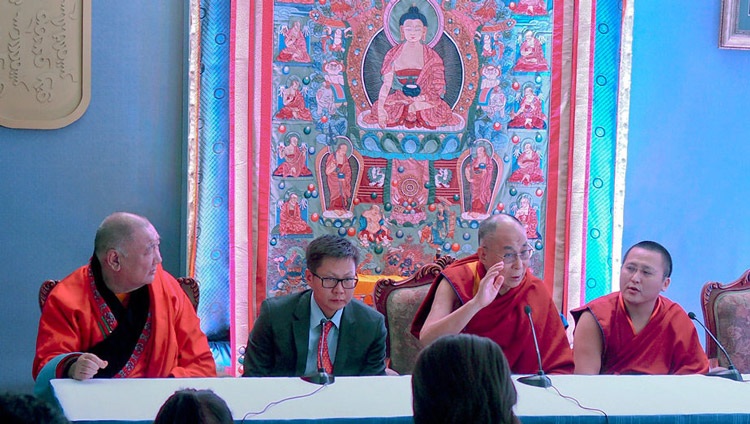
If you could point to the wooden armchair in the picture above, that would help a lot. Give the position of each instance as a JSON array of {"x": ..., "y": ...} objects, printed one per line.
[
  {"x": 188, "y": 284},
  {"x": 726, "y": 310},
  {"x": 192, "y": 289},
  {"x": 398, "y": 301}
]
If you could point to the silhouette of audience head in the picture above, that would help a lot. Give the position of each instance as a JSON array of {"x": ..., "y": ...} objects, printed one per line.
[
  {"x": 27, "y": 409},
  {"x": 463, "y": 378},
  {"x": 191, "y": 406}
]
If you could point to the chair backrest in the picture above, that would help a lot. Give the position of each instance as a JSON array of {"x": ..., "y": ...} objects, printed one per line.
[
  {"x": 726, "y": 310},
  {"x": 188, "y": 284},
  {"x": 44, "y": 290},
  {"x": 398, "y": 301},
  {"x": 192, "y": 289}
]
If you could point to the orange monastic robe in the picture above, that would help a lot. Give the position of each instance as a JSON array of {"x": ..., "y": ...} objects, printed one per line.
[
  {"x": 75, "y": 318},
  {"x": 505, "y": 321},
  {"x": 668, "y": 344}
]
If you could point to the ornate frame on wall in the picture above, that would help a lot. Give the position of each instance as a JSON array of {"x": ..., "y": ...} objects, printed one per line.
[
  {"x": 45, "y": 76},
  {"x": 734, "y": 32}
]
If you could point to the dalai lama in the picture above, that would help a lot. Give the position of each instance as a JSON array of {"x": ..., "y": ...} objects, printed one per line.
[{"x": 487, "y": 293}]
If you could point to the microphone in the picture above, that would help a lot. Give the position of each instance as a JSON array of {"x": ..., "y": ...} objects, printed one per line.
[
  {"x": 539, "y": 379},
  {"x": 731, "y": 372},
  {"x": 321, "y": 377}
]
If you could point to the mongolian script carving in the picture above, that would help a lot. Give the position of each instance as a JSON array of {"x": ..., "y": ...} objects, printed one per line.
[{"x": 44, "y": 62}]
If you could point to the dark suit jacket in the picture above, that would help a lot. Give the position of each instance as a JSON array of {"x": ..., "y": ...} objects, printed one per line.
[{"x": 277, "y": 346}]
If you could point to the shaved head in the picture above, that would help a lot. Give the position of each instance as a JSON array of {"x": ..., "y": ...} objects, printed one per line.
[
  {"x": 116, "y": 231},
  {"x": 489, "y": 226}
]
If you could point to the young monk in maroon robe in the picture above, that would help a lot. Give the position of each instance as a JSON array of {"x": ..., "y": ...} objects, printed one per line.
[
  {"x": 121, "y": 315},
  {"x": 637, "y": 330},
  {"x": 486, "y": 294}
]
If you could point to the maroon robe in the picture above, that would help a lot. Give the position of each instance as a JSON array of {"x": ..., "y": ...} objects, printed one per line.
[
  {"x": 668, "y": 344},
  {"x": 505, "y": 321}
]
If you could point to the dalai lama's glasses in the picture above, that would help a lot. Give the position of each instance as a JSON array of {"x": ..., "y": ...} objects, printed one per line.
[
  {"x": 330, "y": 282},
  {"x": 524, "y": 255}
]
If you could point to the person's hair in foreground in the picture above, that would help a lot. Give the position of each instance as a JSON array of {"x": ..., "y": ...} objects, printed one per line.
[
  {"x": 191, "y": 406},
  {"x": 463, "y": 378},
  {"x": 16, "y": 408}
]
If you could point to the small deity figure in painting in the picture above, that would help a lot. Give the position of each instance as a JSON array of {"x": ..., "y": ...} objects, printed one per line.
[
  {"x": 339, "y": 179},
  {"x": 334, "y": 37},
  {"x": 479, "y": 175},
  {"x": 295, "y": 49},
  {"x": 488, "y": 11},
  {"x": 290, "y": 217},
  {"x": 294, "y": 102},
  {"x": 444, "y": 227},
  {"x": 413, "y": 82},
  {"x": 491, "y": 97},
  {"x": 529, "y": 166},
  {"x": 374, "y": 228},
  {"x": 532, "y": 55},
  {"x": 295, "y": 159},
  {"x": 291, "y": 274},
  {"x": 331, "y": 95},
  {"x": 487, "y": 47},
  {"x": 531, "y": 7},
  {"x": 529, "y": 114},
  {"x": 527, "y": 214}
]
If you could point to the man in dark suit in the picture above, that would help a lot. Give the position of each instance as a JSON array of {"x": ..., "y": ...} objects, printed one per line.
[{"x": 285, "y": 340}]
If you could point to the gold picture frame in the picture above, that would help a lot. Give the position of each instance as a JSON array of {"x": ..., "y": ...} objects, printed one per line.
[{"x": 734, "y": 31}]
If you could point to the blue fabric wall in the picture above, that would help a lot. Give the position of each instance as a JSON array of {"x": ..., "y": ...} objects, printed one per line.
[
  {"x": 687, "y": 182},
  {"x": 125, "y": 153}
]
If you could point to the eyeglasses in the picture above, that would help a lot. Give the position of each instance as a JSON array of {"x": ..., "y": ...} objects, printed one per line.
[
  {"x": 330, "y": 282},
  {"x": 524, "y": 255}
]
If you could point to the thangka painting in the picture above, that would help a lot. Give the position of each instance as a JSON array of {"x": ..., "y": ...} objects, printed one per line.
[{"x": 402, "y": 125}]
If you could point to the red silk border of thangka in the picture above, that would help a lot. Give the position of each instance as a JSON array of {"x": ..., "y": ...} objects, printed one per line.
[
  {"x": 550, "y": 237},
  {"x": 261, "y": 116}
]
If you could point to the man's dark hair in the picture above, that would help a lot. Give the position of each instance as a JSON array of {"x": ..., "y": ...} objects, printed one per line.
[
  {"x": 654, "y": 247},
  {"x": 191, "y": 406},
  {"x": 16, "y": 408},
  {"x": 463, "y": 378},
  {"x": 329, "y": 246}
]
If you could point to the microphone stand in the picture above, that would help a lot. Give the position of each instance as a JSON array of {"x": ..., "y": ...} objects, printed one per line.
[
  {"x": 731, "y": 372},
  {"x": 321, "y": 377},
  {"x": 539, "y": 379}
]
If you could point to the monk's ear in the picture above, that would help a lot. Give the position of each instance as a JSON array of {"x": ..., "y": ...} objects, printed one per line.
[
  {"x": 112, "y": 260},
  {"x": 665, "y": 284}
]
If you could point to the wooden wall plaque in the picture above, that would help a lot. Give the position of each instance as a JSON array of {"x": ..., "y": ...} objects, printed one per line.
[{"x": 45, "y": 62}]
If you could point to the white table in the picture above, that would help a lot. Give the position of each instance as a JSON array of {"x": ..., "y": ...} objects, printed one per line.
[{"x": 625, "y": 399}]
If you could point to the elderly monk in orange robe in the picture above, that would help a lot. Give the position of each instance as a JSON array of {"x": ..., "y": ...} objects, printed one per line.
[
  {"x": 121, "y": 315},
  {"x": 637, "y": 330},
  {"x": 486, "y": 294}
]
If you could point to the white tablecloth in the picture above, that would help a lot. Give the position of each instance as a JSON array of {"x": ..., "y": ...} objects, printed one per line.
[{"x": 129, "y": 400}]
